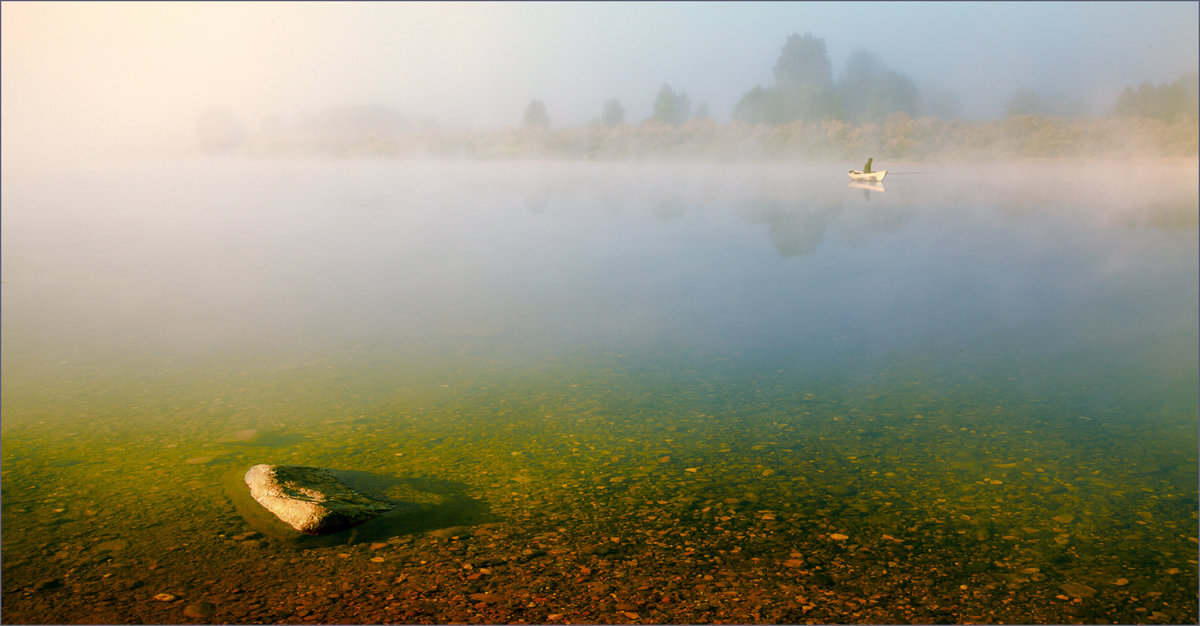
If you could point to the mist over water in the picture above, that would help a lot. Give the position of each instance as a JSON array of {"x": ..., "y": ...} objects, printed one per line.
[{"x": 205, "y": 258}]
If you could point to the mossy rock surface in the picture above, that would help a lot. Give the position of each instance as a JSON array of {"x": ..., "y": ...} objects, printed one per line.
[{"x": 310, "y": 499}]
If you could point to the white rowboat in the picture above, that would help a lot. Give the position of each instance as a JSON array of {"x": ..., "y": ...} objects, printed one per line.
[{"x": 875, "y": 177}]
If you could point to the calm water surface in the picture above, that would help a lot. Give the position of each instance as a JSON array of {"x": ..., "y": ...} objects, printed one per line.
[{"x": 996, "y": 366}]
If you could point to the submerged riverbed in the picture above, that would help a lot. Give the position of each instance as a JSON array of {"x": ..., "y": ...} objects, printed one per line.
[{"x": 607, "y": 393}]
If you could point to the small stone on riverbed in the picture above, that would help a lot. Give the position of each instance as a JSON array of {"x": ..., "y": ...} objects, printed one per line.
[
  {"x": 200, "y": 610},
  {"x": 1076, "y": 590}
]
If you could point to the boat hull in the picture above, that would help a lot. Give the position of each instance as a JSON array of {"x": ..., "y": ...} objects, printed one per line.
[
  {"x": 869, "y": 186},
  {"x": 873, "y": 177}
]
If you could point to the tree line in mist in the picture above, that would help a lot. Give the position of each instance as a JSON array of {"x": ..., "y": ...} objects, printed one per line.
[{"x": 805, "y": 113}]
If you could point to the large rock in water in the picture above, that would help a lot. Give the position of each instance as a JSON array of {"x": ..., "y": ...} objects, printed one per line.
[{"x": 310, "y": 499}]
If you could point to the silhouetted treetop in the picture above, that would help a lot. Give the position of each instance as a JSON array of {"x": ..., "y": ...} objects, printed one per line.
[
  {"x": 1165, "y": 102},
  {"x": 803, "y": 62},
  {"x": 671, "y": 107},
  {"x": 868, "y": 91},
  {"x": 535, "y": 115},
  {"x": 613, "y": 114}
]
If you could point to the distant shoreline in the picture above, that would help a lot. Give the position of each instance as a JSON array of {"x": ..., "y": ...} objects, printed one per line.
[{"x": 900, "y": 138}]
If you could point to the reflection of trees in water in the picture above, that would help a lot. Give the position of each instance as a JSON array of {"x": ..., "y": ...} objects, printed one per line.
[
  {"x": 796, "y": 220},
  {"x": 613, "y": 200},
  {"x": 796, "y": 228},
  {"x": 538, "y": 199},
  {"x": 667, "y": 209},
  {"x": 1173, "y": 218}
]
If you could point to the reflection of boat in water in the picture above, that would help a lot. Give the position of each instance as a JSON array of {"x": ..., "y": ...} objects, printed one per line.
[
  {"x": 868, "y": 186},
  {"x": 871, "y": 177}
]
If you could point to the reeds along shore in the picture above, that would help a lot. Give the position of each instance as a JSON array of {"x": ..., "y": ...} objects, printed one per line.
[{"x": 900, "y": 137}]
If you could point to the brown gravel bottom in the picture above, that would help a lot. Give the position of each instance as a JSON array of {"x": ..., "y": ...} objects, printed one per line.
[{"x": 551, "y": 571}]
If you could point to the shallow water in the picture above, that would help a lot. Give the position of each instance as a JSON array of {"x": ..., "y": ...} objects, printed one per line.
[{"x": 975, "y": 391}]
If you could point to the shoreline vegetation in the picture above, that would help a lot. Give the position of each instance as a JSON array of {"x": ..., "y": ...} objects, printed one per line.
[
  {"x": 899, "y": 138},
  {"x": 806, "y": 113}
]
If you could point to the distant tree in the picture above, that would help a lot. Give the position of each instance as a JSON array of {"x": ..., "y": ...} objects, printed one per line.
[
  {"x": 803, "y": 88},
  {"x": 1024, "y": 102},
  {"x": 218, "y": 130},
  {"x": 750, "y": 108},
  {"x": 670, "y": 107},
  {"x": 535, "y": 115},
  {"x": 1127, "y": 102},
  {"x": 1166, "y": 101},
  {"x": 614, "y": 113},
  {"x": 772, "y": 105},
  {"x": 803, "y": 62},
  {"x": 683, "y": 108},
  {"x": 869, "y": 92},
  {"x": 701, "y": 112}
]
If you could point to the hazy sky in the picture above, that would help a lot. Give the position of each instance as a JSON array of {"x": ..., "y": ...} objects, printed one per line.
[{"x": 102, "y": 70}]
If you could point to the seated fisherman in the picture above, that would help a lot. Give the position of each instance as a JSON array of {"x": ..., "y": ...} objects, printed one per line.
[{"x": 867, "y": 167}]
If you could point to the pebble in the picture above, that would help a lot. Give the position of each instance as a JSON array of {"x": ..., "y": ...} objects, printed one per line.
[
  {"x": 838, "y": 537},
  {"x": 793, "y": 563},
  {"x": 446, "y": 533},
  {"x": 486, "y": 598},
  {"x": 49, "y": 583},
  {"x": 200, "y": 610},
  {"x": 112, "y": 545},
  {"x": 165, "y": 597},
  {"x": 1063, "y": 519},
  {"x": 1121, "y": 582},
  {"x": 1077, "y": 590}
]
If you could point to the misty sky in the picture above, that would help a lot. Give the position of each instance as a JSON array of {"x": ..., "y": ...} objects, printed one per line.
[{"x": 95, "y": 71}]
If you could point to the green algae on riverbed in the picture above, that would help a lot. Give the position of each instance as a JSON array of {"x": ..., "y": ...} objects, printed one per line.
[{"x": 871, "y": 506}]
